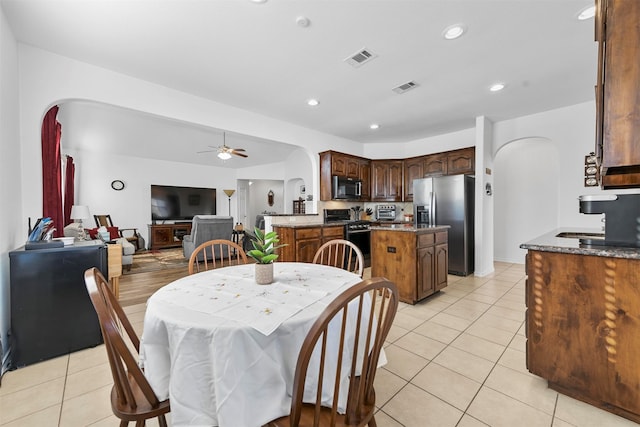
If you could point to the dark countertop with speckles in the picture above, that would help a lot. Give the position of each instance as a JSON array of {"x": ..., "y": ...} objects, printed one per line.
[
  {"x": 410, "y": 228},
  {"x": 571, "y": 245}
]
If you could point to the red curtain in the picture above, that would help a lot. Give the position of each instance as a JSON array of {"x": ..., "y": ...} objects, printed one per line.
[
  {"x": 52, "y": 170},
  {"x": 69, "y": 201}
]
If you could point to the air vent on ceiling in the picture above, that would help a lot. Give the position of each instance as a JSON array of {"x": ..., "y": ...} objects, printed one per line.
[
  {"x": 405, "y": 87},
  {"x": 360, "y": 58}
]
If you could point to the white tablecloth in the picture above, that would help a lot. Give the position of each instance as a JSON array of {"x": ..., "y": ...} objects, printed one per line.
[{"x": 224, "y": 349}]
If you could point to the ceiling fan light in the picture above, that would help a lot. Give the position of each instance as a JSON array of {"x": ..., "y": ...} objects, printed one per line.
[{"x": 224, "y": 155}]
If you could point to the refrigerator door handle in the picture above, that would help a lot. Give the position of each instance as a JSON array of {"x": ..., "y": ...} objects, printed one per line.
[{"x": 432, "y": 211}]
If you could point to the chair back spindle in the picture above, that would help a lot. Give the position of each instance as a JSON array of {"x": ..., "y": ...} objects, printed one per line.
[{"x": 216, "y": 253}]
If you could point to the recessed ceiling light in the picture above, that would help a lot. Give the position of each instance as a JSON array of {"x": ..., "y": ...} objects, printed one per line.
[
  {"x": 302, "y": 21},
  {"x": 313, "y": 102},
  {"x": 497, "y": 87},
  {"x": 454, "y": 31},
  {"x": 374, "y": 126},
  {"x": 587, "y": 13}
]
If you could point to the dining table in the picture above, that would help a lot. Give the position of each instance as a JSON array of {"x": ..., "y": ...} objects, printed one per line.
[{"x": 224, "y": 349}]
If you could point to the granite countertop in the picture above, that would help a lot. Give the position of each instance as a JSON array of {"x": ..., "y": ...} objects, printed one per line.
[
  {"x": 291, "y": 214},
  {"x": 410, "y": 228},
  {"x": 307, "y": 225},
  {"x": 572, "y": 245}
]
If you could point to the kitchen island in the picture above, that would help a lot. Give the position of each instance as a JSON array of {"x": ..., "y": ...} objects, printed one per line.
[
  {"x": 414, "y": 258},
  {"x": 583, "y": 318},
  {"x": 303, "y": 240}
]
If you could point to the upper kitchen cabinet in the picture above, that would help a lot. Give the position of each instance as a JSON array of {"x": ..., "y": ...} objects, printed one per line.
[
  {"x": 618, "y": 93},
  {"x": 413, "y": 169},
  {"x": 461, "y": 161},
  {"x": 386, "y": 180},
  {"x": 365, "y": 177},
  {"x": 456, "y": 162},
  {"x": 335, "y": 163},
  {"x": 435, "y": 164}
]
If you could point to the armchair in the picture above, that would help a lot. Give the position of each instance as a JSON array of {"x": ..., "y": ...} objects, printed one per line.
[
  {"x": 116, "y": 232},
  {"x": 205, "y": 228}
]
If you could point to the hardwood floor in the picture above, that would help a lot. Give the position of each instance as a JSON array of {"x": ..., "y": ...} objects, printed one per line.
[{"x": 137, "y": 288}]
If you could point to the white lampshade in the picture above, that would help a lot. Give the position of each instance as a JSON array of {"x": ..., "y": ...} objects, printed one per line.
[{"x": 80, "y": 212}]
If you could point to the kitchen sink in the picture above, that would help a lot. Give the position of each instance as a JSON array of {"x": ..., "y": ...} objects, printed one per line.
[
  {"x": 584, "y": 238},
  {"x": 579, "y": 235}
]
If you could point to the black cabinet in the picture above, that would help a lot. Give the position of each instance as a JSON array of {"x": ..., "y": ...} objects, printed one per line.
[{"x": 51, "y": 313}]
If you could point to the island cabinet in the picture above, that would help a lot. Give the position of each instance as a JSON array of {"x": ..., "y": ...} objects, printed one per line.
[
  {"x": 416, "y": 260},
  {"x": 341, "y": 164},
  {"x": 303, "y": 241},
  {"x": 618, "y": 93},
  {"x": 583, "y": 327},
  {"x": 386, "y": 180}
]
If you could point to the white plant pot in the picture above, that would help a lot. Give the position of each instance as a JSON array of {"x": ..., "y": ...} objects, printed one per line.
[{"x": 264, "y": 274}]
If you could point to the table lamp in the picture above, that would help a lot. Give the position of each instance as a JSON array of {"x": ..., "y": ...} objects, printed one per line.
[
  {"x": 78, "y": 213},
  {"x": 229, "y": 193}
]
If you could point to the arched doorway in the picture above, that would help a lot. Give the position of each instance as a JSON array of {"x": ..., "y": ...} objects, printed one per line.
[{"x": 525, "y": 195}]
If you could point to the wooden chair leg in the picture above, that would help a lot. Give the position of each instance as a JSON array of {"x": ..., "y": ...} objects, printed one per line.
[{"x": 115, "y": 286}]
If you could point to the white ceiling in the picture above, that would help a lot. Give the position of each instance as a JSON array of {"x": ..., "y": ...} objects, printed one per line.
[{"x": 255, "y": 56}]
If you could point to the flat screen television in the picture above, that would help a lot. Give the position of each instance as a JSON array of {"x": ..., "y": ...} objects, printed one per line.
[{"x": 181, "y": 203}]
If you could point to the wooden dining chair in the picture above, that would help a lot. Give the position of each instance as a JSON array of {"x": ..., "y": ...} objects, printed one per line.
[
  {"x": 342, "y": 254},
  {"x": 371, "y": 324},
  {"x": 132, "y": 398},
  {"x": 216, "y": 253}
]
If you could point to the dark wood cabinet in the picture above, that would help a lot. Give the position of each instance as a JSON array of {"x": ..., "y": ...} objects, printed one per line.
[
  {"x": 590, "y": 351},
  {"x": 365, "y": 177},
  {"x": 167, "y": 235},
  {"x": 392, "y": 180},
  {"x": 413, "y": 169},
  {"x": 386, "y": 180},
  {"x": 304, "y": 241},
  {"x": 416, "y": 261},
  {"x": 618, "y": 93},
  {"x": 435, "y": 165},
  {"x": 335, "y": 163},
  {"x": 461, "y": 162},
  {"x": 455, "y": 162}
]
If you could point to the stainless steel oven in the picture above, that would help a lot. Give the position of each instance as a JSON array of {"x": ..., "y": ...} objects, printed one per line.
[{"x": 357, "y": 232}]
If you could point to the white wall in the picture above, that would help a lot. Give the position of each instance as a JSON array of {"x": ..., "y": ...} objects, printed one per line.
[
  {"x": 13, "y": 231},
  {"x": 526, "y": 174},
  {"x": 77, "y": 80},
  {"x": 419, "y": 147},
  {"x": 258, "y": 197},
  {"x": 131, "y": 207}
]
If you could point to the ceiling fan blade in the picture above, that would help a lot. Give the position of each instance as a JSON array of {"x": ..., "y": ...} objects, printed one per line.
[
  {"x": 238, "y": 154},
  {"x": 206, "y": 151},
  {"x": 239, "y": 149}
]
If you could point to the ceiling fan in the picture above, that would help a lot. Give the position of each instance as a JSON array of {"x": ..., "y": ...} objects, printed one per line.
[{"x": 224, "y": 151}]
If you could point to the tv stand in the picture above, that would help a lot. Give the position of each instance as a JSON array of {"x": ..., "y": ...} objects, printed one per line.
[{"x": 167, "y": 235}]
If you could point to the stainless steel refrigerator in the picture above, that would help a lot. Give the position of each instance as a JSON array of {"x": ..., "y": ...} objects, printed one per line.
[{"x": 449, "y": 200}]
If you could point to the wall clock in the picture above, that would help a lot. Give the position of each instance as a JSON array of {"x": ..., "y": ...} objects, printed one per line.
[{"x": 117, "y": 185}]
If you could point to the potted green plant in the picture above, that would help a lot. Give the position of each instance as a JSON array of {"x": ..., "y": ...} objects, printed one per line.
[{"x": 264, "y": 246}]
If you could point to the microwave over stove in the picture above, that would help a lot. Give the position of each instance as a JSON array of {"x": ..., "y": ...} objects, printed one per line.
[{"x": 346, "y": 188}]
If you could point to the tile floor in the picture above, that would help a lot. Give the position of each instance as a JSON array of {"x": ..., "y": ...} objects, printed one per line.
[{"x": 456, "y": 359}]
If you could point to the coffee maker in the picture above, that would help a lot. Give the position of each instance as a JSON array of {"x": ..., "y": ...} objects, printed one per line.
[{"x": 622, "y": 217}]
